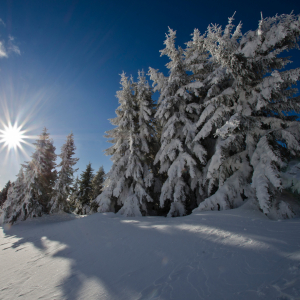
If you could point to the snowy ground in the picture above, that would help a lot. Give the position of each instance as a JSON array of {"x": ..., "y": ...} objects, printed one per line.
[{"x": 236, "y": 254}]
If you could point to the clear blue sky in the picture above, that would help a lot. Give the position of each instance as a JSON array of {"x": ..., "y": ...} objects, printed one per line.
[{"x": 72, "y": 53}]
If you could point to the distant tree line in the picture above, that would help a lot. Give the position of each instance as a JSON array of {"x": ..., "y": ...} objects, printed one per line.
[{"x": 41, "y": 189}]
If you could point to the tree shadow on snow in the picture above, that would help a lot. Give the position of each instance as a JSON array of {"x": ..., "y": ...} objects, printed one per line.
[{"x": 213, "y": 255}]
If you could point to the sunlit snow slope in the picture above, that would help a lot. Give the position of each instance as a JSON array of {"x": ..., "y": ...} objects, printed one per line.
[{"x": 236, "y": 254}]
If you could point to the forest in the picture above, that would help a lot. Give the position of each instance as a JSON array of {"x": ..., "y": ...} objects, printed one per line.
[{"x": 224, "y": 130}]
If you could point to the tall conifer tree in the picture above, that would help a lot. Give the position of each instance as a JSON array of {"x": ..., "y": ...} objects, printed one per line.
[
  {"x": 255, "y": 139},
  {"x": 12, "y": 208},
  {"x": 33, "y": 190},
  {"x": 85, "y": 193},
  {"x": 180, "y": 158},
  {"x": 127, "y": 184},
  {"x": 3, "y": 193},
  {"x": 97, "y": 183},
  {"x": 64, "y": 181}
]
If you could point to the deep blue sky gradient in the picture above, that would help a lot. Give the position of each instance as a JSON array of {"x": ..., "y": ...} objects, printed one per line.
[{"x": 72, "y": 53}]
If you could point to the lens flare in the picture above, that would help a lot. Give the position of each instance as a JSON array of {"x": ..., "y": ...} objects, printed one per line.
[{"x": 12, "y": 136}]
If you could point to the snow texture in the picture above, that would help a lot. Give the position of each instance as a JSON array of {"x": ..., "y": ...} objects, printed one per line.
[{"x": 236, "y": 254}]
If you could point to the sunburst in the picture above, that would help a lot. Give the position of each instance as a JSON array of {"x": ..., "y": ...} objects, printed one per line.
[{"x": 12, "y": 136}]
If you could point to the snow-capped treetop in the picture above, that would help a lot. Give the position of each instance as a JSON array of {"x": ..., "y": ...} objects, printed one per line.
[{"x": 66, "y": 173}]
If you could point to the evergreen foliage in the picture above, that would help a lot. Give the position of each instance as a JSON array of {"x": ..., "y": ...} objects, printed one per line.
[
  {"x": 32, "y": 192},
  {"x": 219, "y": 134},
  {"x": 59, "y": 201},
  {"x": 221, "y": 120},
  {"x": 255, "y": 139},
  {"x": 85, "y": 192},
  {"x": 97, "y": 187},
  {"x": 74, "y": 194},
  {"x": 3, "y": 193},
  {"x": 97, "y": 182},
  {"x": 180, "y": 157},
  {"x": 130, "y": 178},
  {"x": 12, "y": 207}
]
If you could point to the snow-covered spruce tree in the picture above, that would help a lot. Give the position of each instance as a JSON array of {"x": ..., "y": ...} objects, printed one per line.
[
  {"x": 181, "y": 95},
  {"x": 62, "y": 188},
  {"x": 97, "y": 182},
  {"x": 33, "y": 191},
  {"x": 127, "y": 183},
  {"x": 74, "y": 194},
  {"x": 12, "y": 208},
  {"x": 144, "y": 147},
  {"x": 83, "y": 201},
  {"x": 97, "y": 187},
  {"x": 40, "y": 177},
  {"x": 3, "y": 193},
  {"x": 208, "y": 78},
  {"x": 255, "y": 138}
]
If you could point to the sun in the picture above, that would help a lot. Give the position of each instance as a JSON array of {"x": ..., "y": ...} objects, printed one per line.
[{"x": 12, "y": 136}]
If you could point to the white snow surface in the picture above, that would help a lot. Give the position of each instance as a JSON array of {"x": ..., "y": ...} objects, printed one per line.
[{"x": 233, "y": 254}]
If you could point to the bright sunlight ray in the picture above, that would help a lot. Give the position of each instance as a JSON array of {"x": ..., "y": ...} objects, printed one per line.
[{"x": 12, "y": 136}]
